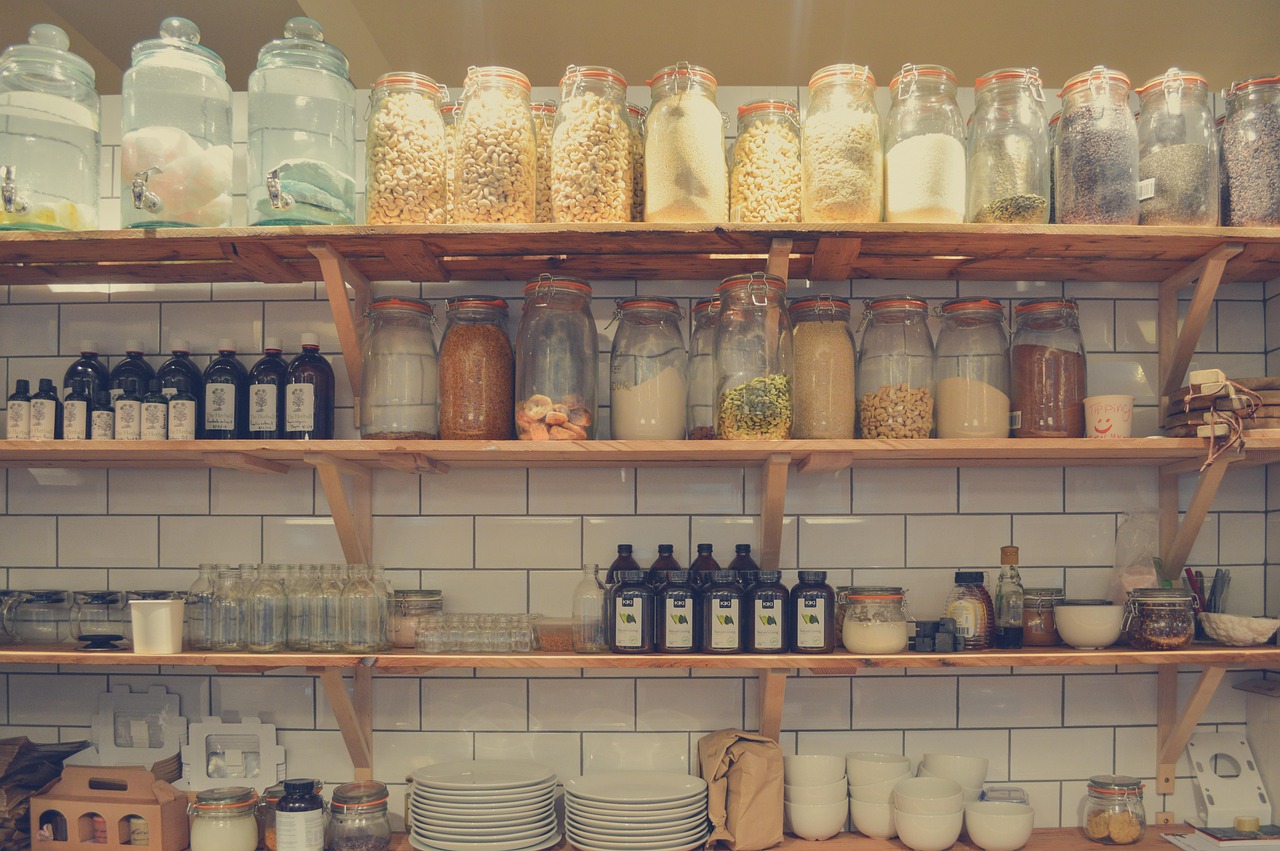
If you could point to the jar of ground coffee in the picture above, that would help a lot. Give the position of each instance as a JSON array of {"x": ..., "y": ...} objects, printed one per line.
[{"x": 1048, "y": 359}]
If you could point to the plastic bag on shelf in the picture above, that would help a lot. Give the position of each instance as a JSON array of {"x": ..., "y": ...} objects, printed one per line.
[{"x": 1137, "y": 562}]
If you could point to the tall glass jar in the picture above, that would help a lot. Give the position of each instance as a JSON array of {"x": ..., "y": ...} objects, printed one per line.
[
  {"x": 556, "y": 361},
  {"x": 686, "y": 177},
  {"x": 449, "y": 113},
  {"x": 590, "y": 608},
  {"x": 1177, "y": 151},
  {"x": 302, "y": 149},
  {"x": 842, "y": 155},
  {"x": 764, "y": 177},
  {"x": 544, "y": 124},
  {"x": 700, "y": 371},
  {"x": 1251, "y": 153},
  {"x": 406, "y": 161},
  {"x": 824, "y": 368},
  {"x": 895, "y": 368},
  {"x": 267, "y": 608},
  {"x": 647, "y": 389},
  {"x": 49, "y": 135},
  {"x": 1009, "y": 149},
  {"x": 302, "y": 593},
  {"x": 326, "y": 617},
  {"x": 224, "y": 819},
  {"x": 636, "y": 130},
  {"x": 365, "y": 612},
  {"x": 495, "y": 169},
  {"x": 229, "y": 628},
  {"x": 753, "y": 359},
  {"x": 477, "y": 370},
  {"x": 175, "y": 145},
  {"x": 358, "y": 819},
  {"x": 924, "y": 157},
  {"x": 1113, "y": 812},
  {"x": 875, "y": 620},
  {"x": 199, "y": 608},
  {"x": 1096, "y": 152},
  {"x": 1049, "y": 377},
  {"x": 971, "y": 370},
  {"x": 400, "y": 371},
  {"x": 1160, "y": 618},
  {"x": 591, "y": 148}
]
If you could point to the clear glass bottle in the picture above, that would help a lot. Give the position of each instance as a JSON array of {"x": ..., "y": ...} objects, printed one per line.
[
  {"x": 971, "y": 607},
  {"x": 1049, "y": 379},
  {"x": 1039, "y": 625},
  {"x": 223, "y": 819},
  {"x": 811, "y": 614},
  {"x": 267, "y": 607},
  {"x": 842, "y": 153},
  {"x": 326, "y": 619},
  {"x": 636, "y": 131},
  {"x": 590, "y": 601},
  {"x": 477, "y": 370},
  {"x": 495, "y": 177},
  {"x": 302, "y": 152},
  {"x": 267, "y": 380},
  {"x": 647, "y": 391},
  {"x": 358, "y": 819},
  {"x": 764, "y": 170},
  {"x": 199, "y": 609},
  {"x": 677, "y": 622},
  {"x": 1009, "y": 602},
  {"x": 895, "y": 369},
  {"x": 1250, "y": 155},
  {"x": 50, "y": 135},
  {"x": 556, "y": 361},
  {"x": 700, "y": 371},
  {"x": 1177, "y": 151},
  {"x": 1096, "y": 151},
  {"x": 401, "y": 371},
  {"x": 175, "y": 146},
  {"x": 591, "y": 148},
  {"x": 364, "y": 612},
  {"x": 767, "y": 603},
  {"x": 1160, "y": 618},
  {"x": 405, "y": 151},
  {"x": 309, "y": 392},
  {"x": 1113, "y": 810},
  {"x": 924, "y": 156},
  {"x": 544, "y": 123},
  {"x": 753, "y": 359},
  {"x": 686, "y": 176},
  {"x": 631, "y": 610},
  {"x": 97, "y": 618},
  {"x": 875, "y": 620},
  {"x": 824, "y": 362},
  {"x": 228, "y": 627},
  {"x": 1008, "y": 151},
  {"x": 971, "y": 370},
  {"x": 722, "y": 612}
]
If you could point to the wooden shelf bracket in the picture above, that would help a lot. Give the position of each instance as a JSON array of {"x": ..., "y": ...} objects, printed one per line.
[
  {"x": 773, "y": 497},
  {"x": 1177, "y": 538},
  {"x": 772, "y": 691},
  {"x": 348, "y": 312},
  {"x": 1176, "y": 348},
  {"x": 1173, "y": 730},
  {"x": 354, "y": 714},
  {"x": 352, "y": 516}
]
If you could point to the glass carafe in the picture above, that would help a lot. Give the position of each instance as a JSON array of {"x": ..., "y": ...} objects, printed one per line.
[
  {"x": 401, "y": 376},
  {"x": 406, "y": 161},
  {"x": 97, "y": 618},
  {"x": 1049, "y": 379},
  {"x": 364, "y": 612},
  {"x": 326, "y": 619},
  {"x": 895, "y": 369},
  {"x": 589, "y": 607},
  {"x": 175, "y": 146},
  {"x": 302, "y": 160},
  {"x": 646, "y": 371},
  {"x": 700, "y": 371},
  {"x": 42, "y": 616},
  {"x": 971, "y": 370},
  {"x": 495, "y": 150},
  {"x": 1096, "y": 151},
  {"x": 842, "y": 155},
  {"x": 556, "y": 356},
  {"x": 591, "y": 148},
  {"x": 824, "y": 368},
  {"x": 49, "y": 135},
  {"x": 924, "y": 156},
  {"x": 764, "y": 177},
  {"x": 753, "y": 359},
  {"x": 267, "y": 607},
  {"x": 1009, "y": 149},
  {"x": 1250, "y": 155},
  {"x": 1177, "y": 152},
  {"x": 477, "y": 370}
]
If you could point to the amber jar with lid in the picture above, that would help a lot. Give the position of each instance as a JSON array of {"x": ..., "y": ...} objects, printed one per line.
[
  {"x": 1113, "y": 812},
  {"x": 1160, "y": 618},
  {"x": 477, "y": 370},
  {"x": 767, "y": 607},
  {"x": 631, "y": 605},
  {"x": 1049, "y": 379},
  {"x": 1039, "y": 626},
  {"x": 677, "y": 621},
  {"x": 722, "y": 613}
]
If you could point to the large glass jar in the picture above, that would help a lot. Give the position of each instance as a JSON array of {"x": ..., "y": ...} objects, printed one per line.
[
  {"x": 544, "y": 124},
  {"x": 700, "y": 371},
  {"x": 477, "y": 370},
  {"x": 1251, "y": 153},
  {"x": 1177, "y": 151},
  {"x": 686, "y": 176},
  {"x": 924, "y": 157},
  {"x": 42, "y": 616},
  {"x": 9, "y": 600},
  {"x": 753, "y": 359},
  {"x": 647, "y": 389},
  {"x": 97, "y": 618},
  {"x": 400, "y": 371},
  {"x": 175, "y": 145},
  {"x": 636, "y": 130},
  {"x": 1039, "y": 624},
  {"x": 1160, "y": 618},
  {"x": 302, "y": 150},
  {"x": 223, "y": 819},
  {"x": 556, "y": 361},
  {"x": 764, "y": 178},
  {"x": 449, "y": 113},
  {"x": 1113, "y": 812},
  {"x": 49, "y": 135},
  {"x": 591, "y": 148},
  {"x": 971, "y": 370},
  {"x": 842, "y": 156},
  {"x": 824, "y": 361},
  {"x": 1049, "y": 380},
  {"x": 495, "y": 166},
  {"x": 1096, "y": 152},
  {"x": 1009, "y": 149},
  {"x": 895, "y": 368},
  {"x": 358, "y": 819},
  {"x": 875, "y": 620},
  {"x": 406, "y": 160}
]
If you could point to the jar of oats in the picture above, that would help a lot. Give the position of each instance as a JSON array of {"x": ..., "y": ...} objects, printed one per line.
[
  {"x": 842, "y": 161},
  {"x": 544, "y": 122},
  {"x": 895, "y": 369},
  {"x": 636, "y": 127},
  {"x": 686, "y": 177},
  {"x": 496, "y": 152},
  {"x": 764, "y": 178},
  {"x": 406, "y": 152},
  {"x": 591, "y": 148},
  {"x": 449, "y": 114}
]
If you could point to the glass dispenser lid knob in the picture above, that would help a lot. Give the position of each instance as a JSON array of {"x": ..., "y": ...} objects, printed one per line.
[
  {"x": 180, "y": 29},
  {"x": 48, "y": 35},
  {"x": 304, "y": 28}
]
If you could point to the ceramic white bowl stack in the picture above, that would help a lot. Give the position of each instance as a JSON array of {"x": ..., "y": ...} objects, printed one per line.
[
  {"x": 928, "y": 812},
  {"x": 872, "y": 777},
  {"x": 483, "y": 805},
  {"x": 636, "y": 811},
  {"x": 815, "y": 799}
]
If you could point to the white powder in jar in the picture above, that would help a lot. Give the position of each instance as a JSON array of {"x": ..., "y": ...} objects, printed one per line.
[
  {"x": 875, "y": 636},
  {"x": 924, "y": 180},
  {"x": 686, "y": 176},
  {"x": 842, "y": 167},
  {"x": 651, "y": 410},
  {"x": 967, "y": 407}
]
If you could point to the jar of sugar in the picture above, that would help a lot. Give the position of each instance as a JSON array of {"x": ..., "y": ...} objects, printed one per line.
[{"x": 924, "y": 158}]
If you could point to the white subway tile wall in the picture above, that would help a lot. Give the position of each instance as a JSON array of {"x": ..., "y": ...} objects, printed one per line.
[{"x": 511, "y": 540}]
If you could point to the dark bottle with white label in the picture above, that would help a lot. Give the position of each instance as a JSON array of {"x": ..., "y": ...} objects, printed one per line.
[
  {"x": 46, "y": 412},
  {"x": 181, "y": 365},
  {"x": 631, "y": 614},
  {"x": 722, "y": 607},
  {"x": 308, "y": 404},
  {"x": 18, "y": 414},
  {"x": 767, "y": 602},
  {"x": 128, "y": 408},
  {"x": 155, "y": 412},
  {"x": 102, "y": 422},
  {"x": 300, "y": 817},
  {"x": 89, "y": 368},
  {"x": 226, "y": 395},
  {"x": 75, "y": 411},
  {"x": 267, "y": 379},
  {"x": 184, "y": 411},
  {"x": 677, "y": 622},
  {"x": 812, "y": 614},
  {"x": 133, "y": 366}
]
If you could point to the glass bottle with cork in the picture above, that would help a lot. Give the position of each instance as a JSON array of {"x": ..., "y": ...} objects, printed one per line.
[
  {"x": 676, "y": 621},
  {"x": 768, "y": 627},
  {"x": 309, "y": 406},
  {"x": 722, "y": 606},
  {"x": 1009, "y": 601}
]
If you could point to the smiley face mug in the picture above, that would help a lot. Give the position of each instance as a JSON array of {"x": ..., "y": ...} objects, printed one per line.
[{"x": 1108, "y": 416}]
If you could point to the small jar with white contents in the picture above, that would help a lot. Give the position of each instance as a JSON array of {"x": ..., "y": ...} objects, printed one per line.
[
  {"x": 875, "y": 620},
  {"x": 924, "y": 157},
  {"x": 406, "y": 152},
  {"x": 591, "y": 148},
  {"x": 842, "y": 157},
  {"x": 544, "y": 123},
  {"x": 764, "y": 179},
  {"x": 223, "y": 820},
  {"x": 496, "y": 152},
  {"x": 636, "y": 127},
  {"x": 686, "y": 176}
]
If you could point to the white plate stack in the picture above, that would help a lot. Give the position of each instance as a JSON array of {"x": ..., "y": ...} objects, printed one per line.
[
  {"x": 483, "y": 805},
  {"x": 636, "y": 811}
]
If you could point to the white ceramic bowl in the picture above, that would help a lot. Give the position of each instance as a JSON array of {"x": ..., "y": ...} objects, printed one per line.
[
  {"x": 812, "y": 769},
  {"x": 816, "y": 821},
  {"x": 970, "y": 793},
  {"x": 873, "y": 820},
  {"x": 827, "y": 793},
  {"x": 966, "y": 770},
  {"x": 999, "y": 825},
  {"x": 864, "y": 767},
  {"x": 880, "y": 792},
  {"x": 1088, "y": 627},
  {"x": 928, "y": 796},
  {"x": 1238, "y": 630},
  {"x": 921, "y": 832}
]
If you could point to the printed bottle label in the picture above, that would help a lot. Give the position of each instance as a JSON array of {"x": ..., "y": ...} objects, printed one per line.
[
  {"x": 810, "y": 626},
  {"x": 155, "y": 421},
  {"x": 19, "y": 417},
  {"x": 300, "y": 408},
  {"x": 128, "y": 420},
  {"x": 182, "y": 419},
  {"x": 628, "y": 621},
  {"x": 300, "y": 831},
  {"x": 724, "y": 624},
  {"x": 965, "y": 614},
  {"x": 44, "y": 419},
  {"x": 768, "y": 633},
  {"x": 102, "y": 425},
  {"x": 262, "y": 407},
  {"x": 75, "y": 416},
  {"x": 220, "y": 407},
  {"x": 679, "y": 624}
]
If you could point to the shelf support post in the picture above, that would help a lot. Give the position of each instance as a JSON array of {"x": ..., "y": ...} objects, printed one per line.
[
  {"x": 1177, "y": 348},
  {"x": 773, "y": 488},
  {"x": 779, "y": 262},
  {"x": 1174, "y": 730},
  {"x": 352, "y": 518},
  {"x": 348, "y": 313},
  {"x": 1176, "y": 539},
  {"x": 772, "y": 692},
  {"x": 355, "y": 718}
]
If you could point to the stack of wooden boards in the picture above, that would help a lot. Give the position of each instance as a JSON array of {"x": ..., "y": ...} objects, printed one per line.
[{"x": 1179, "y": 422}]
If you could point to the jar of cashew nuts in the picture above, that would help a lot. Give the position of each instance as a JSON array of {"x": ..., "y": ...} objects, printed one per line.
[
  {"x": 556, "y": 361},
  {"x": 406, "y": 153},
  {"x": 544, "y": 123},
  {"x": 895, "y": 369},
  {"x": 449, "y": 114},
  {"x": 636, "y": 127},
  {"x": 591, "y": 148},
  {"x": 496, "y": 153},
  {"x": 764, "y": 179}
]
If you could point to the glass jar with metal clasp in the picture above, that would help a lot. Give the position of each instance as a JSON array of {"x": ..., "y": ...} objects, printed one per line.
[
  {"x": 223, "y": 820},
  {"x": 1160, "y": 618},
  {"x": 875, "y": 620},
  {"x": 1113, "y": 812},
  {"x": 647, "y": 385},
  {"x": 401, "y": 371},
  {"x": 358, "y": 819},
  {"x": 556, "y": 357},
  {"x": 1039, "y": 625}
]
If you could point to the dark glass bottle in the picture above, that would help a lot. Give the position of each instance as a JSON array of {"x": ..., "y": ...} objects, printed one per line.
[
  {"x": 226, "y": 395},
  {"x": 128, "y": 408},
  {"x": 133, "y": 366},
  {"x": 267, "y": 379},
  {"x": 742, "y": 561},
  {"x": 309, "y": 394},
  {"x": 624, "y": 561},
  {"x": 181, "y": 365},
  {"x": 722, "y": 614},
  {"x": 300, "y": 817},
  {"x": 677, "y": 623},
  {"x": 89, "y": 368},
  {"x": 46, "y": 412},
  {"x": 102, "y": 422},
  {"x": 155, "y": 412},
  {"x": 811, "y": 614},
  {"x": 768, "y": 624},
  {"x": 184, "y": 410},
  {"x": 663, "y": 564},
  {"x": 76, "y": 408},
  {"x": 632, "y": 609},
  {"x": 703, "y": 566},
  {"x": 19, "y": 411}
]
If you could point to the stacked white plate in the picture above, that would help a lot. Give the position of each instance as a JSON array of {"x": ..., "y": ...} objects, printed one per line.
[
  {"x": 483, "y": 805},
  {"x": 636, "y": 811}
]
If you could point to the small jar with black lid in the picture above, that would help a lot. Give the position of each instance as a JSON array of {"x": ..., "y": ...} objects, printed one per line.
[
  {"x": 676, "y": 622},
  {"x": 632, "y": 607},
  {"x": 767, "y": 609},
  {"x": 722, "y": 613},
  {"x": 811, "y": 614}
]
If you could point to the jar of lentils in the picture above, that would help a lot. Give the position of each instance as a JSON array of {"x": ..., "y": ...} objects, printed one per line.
[
  {"x": 686, "y": 177},
  {"x": 1113, "y": 812},
  {"x": 824, "y": 368},
  {"x": 407, "y": 157},
  {"x": 1096, "y": 154},
  {"x": 496, "y": 152},
  {"x": 544, "y": 123},
  {"x": 1177, "y": 151},
  {"x": 636, "y": 128},
  {"x": 1251, "y": 153},
  {"x": 1160, "y": 618},
  {"x": 764, "y": 178},
  {"x": 591, "y": 148},
  {"x": 1039, "y": 626},
  {"x": 477, "y": 370},
  {"x": 895, "y": 369},
  {"x": 753, "y": 358},
  {"x": 700, "y": 371},
  {"x": 842, "y": 157}
]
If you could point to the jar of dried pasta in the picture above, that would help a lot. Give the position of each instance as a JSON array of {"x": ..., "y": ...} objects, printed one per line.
[
  {"x": 591, "y": 148},
  {"x": 764, "y": 178},
  {"x": 496, "y": 153},
  {"x": 544, "y": 122},
  {"x": 1113, "y": 812},
  {"x": 406, "y": 152}
]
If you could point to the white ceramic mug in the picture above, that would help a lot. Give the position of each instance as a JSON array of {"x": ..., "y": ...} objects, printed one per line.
[
  {"x": 1108, "y": 416},
  {"x": 157, "y": 626}
]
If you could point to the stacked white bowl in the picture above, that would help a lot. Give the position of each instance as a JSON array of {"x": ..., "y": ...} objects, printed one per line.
[
  {"x": 815, "y": 801},
  {"x": 636, "y": 811},
  {"x": 872, "y": 777},
  {"x": 928, "y": 812},
  {"x": 483, "y": 805},
  {"x": 969, "y": 771},
  {"x": 998, "y": 825}
]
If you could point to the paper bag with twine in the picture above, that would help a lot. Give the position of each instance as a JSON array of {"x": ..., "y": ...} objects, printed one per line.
[{"x": 744, "y": 788}]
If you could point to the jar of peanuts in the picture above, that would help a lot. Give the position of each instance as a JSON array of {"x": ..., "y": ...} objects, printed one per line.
[
  {"x": 1113, "y": 812},
  {"x": 895, "y": 369},
  {"x": 764, "y": 179},
  {"x": 496, "y": 152},
  {"x": 449, "y": 114},
  {"x": 636, "y": 127},
  {"x": 544, "y": 122},
  {"x": 842, "y": 158},
  {"x": 556, "y": 361},
  {"x": 591, "y": 148},
  {"x": 686, "y": 177},
  {"x": 406, "y": 153}
]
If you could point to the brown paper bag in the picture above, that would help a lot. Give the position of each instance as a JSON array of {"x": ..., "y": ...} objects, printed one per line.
[{"x": 744, "y": 795}]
